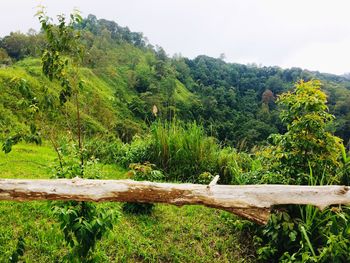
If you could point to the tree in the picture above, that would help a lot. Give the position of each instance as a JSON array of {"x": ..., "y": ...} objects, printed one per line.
[
  {"x": 4, "y": 57},
  {"x": 275, "y": 84},
  {"x": 16, "y": 45},
  {"x": 307, "y": 153},
  {"x": 222, "y": 56},
  {"x": 307, "y": 144},
  {"x": 82, "y": 223}
]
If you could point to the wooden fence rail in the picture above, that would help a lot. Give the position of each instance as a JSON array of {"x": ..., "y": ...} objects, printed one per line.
[{"x": 249, "y": 201}]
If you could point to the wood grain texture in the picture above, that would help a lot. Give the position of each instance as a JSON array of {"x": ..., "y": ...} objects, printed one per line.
[{"x": 250, "y": 201}]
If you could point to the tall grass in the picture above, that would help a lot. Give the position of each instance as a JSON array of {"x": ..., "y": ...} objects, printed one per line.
[
  {"x": 183, "y": 151},
  {"x": 232, "y": 166}
]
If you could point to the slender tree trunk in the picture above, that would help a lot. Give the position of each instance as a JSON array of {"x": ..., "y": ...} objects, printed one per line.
[
  {"x": 79, "y": 128},
  {"x": 80, "y": 143},
  {"x": 55, "y": 146}
]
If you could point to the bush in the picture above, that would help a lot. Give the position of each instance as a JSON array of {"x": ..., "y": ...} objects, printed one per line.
[
  {"x": 307, "y": 142},
  {"x": 126, "y": 130},
  {"x": 142, "y": 172},
  {"x": 82, "y": 223},
  {"x": 138, "y": 151},
  {"x": 233, "y": 166},
  {"x": 107, "y": 149},
  {"x": 205, "y": 178},
  {"x": 306, "y": 154},
  {"x": 305, "y": 234},
  {"x": 4, "y": 58}
]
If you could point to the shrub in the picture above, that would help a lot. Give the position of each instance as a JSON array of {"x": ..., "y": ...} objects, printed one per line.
[
  {"x": 126, "y": 130},
  {"x": 4, "y": 58},
  {"x": 185, "y": 153},
  {"x": 307, "y": 143},
  {"x": 306, "y": 154},
  {"x": 305, "y": 234},
  {"x": 233, "y": 166},
  {"x": 82, "y": 223},
  {"x": 205, "y": 178},
  {"x": 138, "y": 151},
  {"x": 142, "y": 172},
  {"x": 106, "y": 149}
]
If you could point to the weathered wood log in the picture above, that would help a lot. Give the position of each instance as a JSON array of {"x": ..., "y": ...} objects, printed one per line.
[{"x": 250, "y": 201}]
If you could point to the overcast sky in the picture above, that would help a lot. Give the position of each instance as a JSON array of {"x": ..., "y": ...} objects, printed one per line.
[{"x": 312, "y": 34}]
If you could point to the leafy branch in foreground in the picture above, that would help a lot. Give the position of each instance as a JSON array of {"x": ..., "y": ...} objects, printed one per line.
[{"x": 82, "y": 223}]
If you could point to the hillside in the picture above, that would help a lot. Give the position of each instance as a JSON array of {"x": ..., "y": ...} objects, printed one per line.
[
  {"x": 125, "y": 77},
  {"x": 111, "y": 103}
]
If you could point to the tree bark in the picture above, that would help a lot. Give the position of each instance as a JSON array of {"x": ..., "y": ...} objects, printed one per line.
[{"x": 249, "y": 201}]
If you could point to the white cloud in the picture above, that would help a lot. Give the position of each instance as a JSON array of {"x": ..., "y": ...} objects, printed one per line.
[{"x": 332, "y": 57}]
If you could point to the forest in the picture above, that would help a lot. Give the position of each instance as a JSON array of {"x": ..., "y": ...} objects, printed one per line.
[{"x": 85, "y": 97}]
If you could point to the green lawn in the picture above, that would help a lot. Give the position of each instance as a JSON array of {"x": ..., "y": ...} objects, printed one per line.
[{"x": 170, "y": 234}]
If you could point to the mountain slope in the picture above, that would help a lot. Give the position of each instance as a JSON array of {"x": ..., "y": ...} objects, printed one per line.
[{"x": 125, "y": 77}]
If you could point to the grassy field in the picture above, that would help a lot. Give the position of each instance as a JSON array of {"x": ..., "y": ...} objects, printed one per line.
[{"x": 170, "y": 234}]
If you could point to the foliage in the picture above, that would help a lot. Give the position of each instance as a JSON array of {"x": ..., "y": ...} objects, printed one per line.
[
  {"x": 306, "y": 153},
  {"x": 116, "y": 79},
  {"x": 19, "y": 251},
  {"x": 176, "y": 148},
  {"x": 4, "y": 57},
  {"x": 33, "y": 137},
  {"x": 237, "y": 102},
  {"x": 305, "y": 234},
  {"x": 106, "y": 149},
  {"x": 18, "y": 45},
  {"x": 61, "y": 49},
  {"x": 145, "y": 172},
  {"x": 136, "y": 151},
  {"x": 164, "y": 235},
  {"x": 183, "y": 152},
  {"x": 232, "y": 166},
  {"x": 205, "y": 178},
  {"x": 126, "y": 130},
  {"x": 307, "y": 143},
  {"x": 81, "y": 222},
  {"x": 30, "y": 107},
  {"x": 83, "y": 226},
  {"x": 142, "y": 172},
  {"x": 124, "y": 77},
  {"x": 344, "y": 170}
]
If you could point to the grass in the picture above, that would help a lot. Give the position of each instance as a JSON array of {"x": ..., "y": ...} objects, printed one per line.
[
  {"x": 170, "y": 234},
  {"x": 99, "y": 114},
  {"x": 28, "y": 161},
  {"x": 183, "y": 151}
]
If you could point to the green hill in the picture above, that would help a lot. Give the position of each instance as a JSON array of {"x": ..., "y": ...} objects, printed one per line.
[{"x": 125, "y": 77}]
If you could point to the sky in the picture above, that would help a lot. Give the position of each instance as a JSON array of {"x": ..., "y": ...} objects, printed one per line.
[{"x": 311, "y": 34}]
